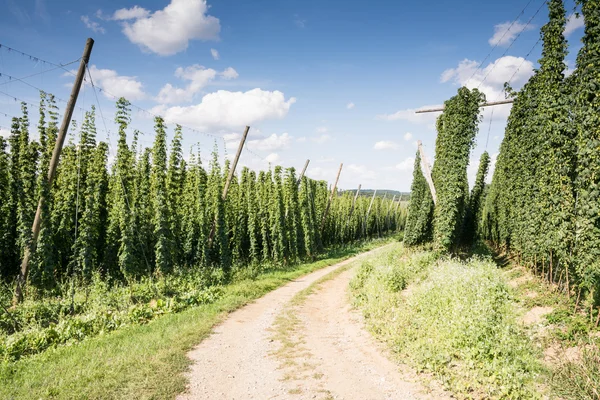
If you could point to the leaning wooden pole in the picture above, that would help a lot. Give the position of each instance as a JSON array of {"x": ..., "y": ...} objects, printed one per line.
[
  {"x": 387, "y": 218},
  {"x": 354, "y": 202},
  {"x": 60, "y": 140},
  {"x": 427, "y": 172},
  {"x": 302, "y": 173},
  {"x": 331, "y": 197},
  {"x": 228, "y": 182},
  {"x": 368, "y": 212}
]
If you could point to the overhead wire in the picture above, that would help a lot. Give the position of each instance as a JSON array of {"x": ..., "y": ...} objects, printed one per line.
[
  {"x": 501, "y": 38},
  {"x": 22, "y": 79},
  {"x": 32, "y": 57},
  {"x": 513, "y": 42}
]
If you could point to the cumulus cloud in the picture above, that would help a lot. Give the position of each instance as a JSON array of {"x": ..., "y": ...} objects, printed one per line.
[
  {"x": 273, "y": 158},
  {"x": 198, "y": 76},
  {"x": 490, "y": 80},
  {"x": 385, "y": 145},
  {"x": 408, "y": 136},
  {"x": 271, "y": 143},
  {"x": 169, "y": 31},
  {"x": 117, "y": 85},
  {"x": 229, "y": 110},
  {"x": 215, "y": 54},
  {"x": 506, "y": 32},
  {"x": 350, "y": 106},
  {"x": 229, "y": 73},
  {"x": 406, "y": 165},
  {"x": 135, "y": 12},
  {"x": 4, "y": 132},
  {"x": 574, "y": 22},
  {"x": 322, "y": 138},
  {"x": 93, "y": 25}
]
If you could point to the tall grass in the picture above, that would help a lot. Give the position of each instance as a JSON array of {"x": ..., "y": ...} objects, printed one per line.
[{"x": 453, "y": 319}]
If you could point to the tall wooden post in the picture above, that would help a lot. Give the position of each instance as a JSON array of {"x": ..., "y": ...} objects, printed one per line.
[
  {"x": 229, "y": 179},
  {"x": 60, "y": 140},
  {"x": 303, "y": 172},
  {"x": 427, "y": 172},
  {"x": 235, "y": 162},
  {"x": 354, "y": 202},
  {"x": 368, "y": 212},
  {"x": 387, "y": 218},
  {"x": 331, "y": 197}
]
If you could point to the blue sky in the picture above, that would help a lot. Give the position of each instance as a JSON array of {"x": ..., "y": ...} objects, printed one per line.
[{"x": 334, "y": 81}]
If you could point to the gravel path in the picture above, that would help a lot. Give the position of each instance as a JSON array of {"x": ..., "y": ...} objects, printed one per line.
[{"x": 331, "y": 356}]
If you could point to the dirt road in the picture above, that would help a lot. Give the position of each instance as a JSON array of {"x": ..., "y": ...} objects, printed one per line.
[{"x": 314, "y": 349}]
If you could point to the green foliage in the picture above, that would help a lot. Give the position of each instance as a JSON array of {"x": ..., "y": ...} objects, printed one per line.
[
  {"x": 144, "y": 219},
  {"x": 455, "y": 320},
  {"x": 163, "y": 249},
  {"x": 543, "y": 203},
  {"x": 457, "y": 128},
  {"x": 420, "y": 210},
  {"x": 474, "y": 208}
]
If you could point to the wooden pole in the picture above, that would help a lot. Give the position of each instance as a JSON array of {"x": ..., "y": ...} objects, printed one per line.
[
  {"x": 302, "y": 173},
  {"x": 331, "y": 197},
  {"x": 388, "y": 212},
  {"x": 354, "y": 202},
  {"x": 427, "y": 172},
  {"x": 368, "y": 212},
  {"x": 235, "y": 162},
  {"x": 492, "y": 103},
  {"x": 228, "y": 182},
  {"x": 60, "y": 140}
]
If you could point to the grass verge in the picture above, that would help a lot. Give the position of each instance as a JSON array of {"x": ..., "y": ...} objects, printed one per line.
[
  {"x": 142, "y": 361},
  {"x": 454, "y": 319}
]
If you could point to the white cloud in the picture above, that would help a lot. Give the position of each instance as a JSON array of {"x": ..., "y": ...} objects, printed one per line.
[
  {"x": 490, "y": 80},
  {"x": 322, "y": 129},
  {"x": 93, "y": 25},
  {"x": 408, "y": 136},
  {"x": 117, "y": 85},
  {"x": 136, "y": 12},
  {"x": 385, "y": 145},
  {"x": 271, "y": 143},
  {"x": 230, "y": 110},
  {"x": 301, "y": 139},
  {"x": 574, "y": 22},
  {"x": 215, "y": 54},
  {"x": 406, "y": 165},
  {"x": 198, "y": 76},
  {"x": 506, "y": 32},
  {"x": 168, "y": 31},
  {"x": 229, "y": 73},
  {"x": 273, "y": 158},
  {"x": 4, "y": 132},
  {"x": 350, "y": 106}
]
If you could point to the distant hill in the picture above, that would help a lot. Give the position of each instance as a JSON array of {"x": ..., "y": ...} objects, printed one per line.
[{"x": 380, "y": 193}]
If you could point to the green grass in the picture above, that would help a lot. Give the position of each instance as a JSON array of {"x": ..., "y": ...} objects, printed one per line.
[
  {"x": 454, "y": 319},
  {"x": 141, "y": 361}
]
